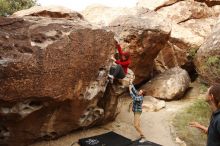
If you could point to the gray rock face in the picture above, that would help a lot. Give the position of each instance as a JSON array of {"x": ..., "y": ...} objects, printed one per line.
[
  {"x": 207, "y": 59},
  {"x": 169, "y": 85},
  {"x": 53, "y": 77}
]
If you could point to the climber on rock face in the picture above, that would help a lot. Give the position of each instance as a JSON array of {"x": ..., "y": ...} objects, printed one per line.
[{"x": 120, "y": 70}]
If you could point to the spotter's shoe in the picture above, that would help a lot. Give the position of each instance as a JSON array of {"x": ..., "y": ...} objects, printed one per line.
[{"x": 142, "y": 140}]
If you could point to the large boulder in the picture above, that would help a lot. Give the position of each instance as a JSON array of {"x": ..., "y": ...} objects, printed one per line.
[
  {"x": 169, "y": 85},
  {"x": 201, "y": 27},
  {"x": 207, "y": 59},
  {"x": 53, "y": 78}
]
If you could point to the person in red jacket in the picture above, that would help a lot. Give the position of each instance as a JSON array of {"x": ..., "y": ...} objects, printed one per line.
[{"x": 120, "y": 70}]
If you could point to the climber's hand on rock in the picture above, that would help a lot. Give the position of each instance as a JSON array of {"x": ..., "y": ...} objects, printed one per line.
[
  {"x": 113, "y": 58},
  {"x": 130, "y": 82}
]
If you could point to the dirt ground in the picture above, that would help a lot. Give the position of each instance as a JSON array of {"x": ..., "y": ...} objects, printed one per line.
[{"x": 157, "y": 126}]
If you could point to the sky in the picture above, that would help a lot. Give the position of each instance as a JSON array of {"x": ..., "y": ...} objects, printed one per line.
[{"x": 79, "y": 5}]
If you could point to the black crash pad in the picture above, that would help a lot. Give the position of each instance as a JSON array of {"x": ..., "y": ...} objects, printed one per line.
[
  {"x": 146, "y": 143},
  {"x": 106, "y": 139}
]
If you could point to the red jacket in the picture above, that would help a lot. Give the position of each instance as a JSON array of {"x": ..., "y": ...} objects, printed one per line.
[{"x": 124, "y": 64}]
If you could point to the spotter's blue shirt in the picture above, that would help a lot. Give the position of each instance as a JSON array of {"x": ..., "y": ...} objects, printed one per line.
[{"x": 137, "y": 100}]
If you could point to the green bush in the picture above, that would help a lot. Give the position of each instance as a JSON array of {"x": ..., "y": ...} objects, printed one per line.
[
  {"x": 211, "y": 67},
  {"x": 198, "y": 111},
  {"x": 213, "y": 60},
  {"x": 192, "y": 53},
  {"x": 203, "y": 88},
  {"x": 8, "y": 7}
]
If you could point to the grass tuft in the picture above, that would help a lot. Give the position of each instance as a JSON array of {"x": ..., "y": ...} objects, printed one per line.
[{"x": 198, "y": 111}]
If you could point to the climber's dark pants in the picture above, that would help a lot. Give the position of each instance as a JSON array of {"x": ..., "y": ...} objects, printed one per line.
[{"x": 117, "y": 71}]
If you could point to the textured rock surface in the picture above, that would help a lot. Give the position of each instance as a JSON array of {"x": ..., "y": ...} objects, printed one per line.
[
  {"x": 201, "y": 27},
  {"x": 179, "y": 50},
  {"x": 217, "y": 9},
  {"x": 195, "y": 7},
  {"x": 193, "y": 22},
  {"x": 49, "y": 11},
  {"x": 143, "y": 37},
  {"x": 185, "y": 10},
  {"x": 210, "y": 3},
  {"x": 103, "y": 15},
  {"x": 207, "y": 59},
  {"x": 52, "y": 79},
  {"x": 154, "y": 5},
  {"x": 169, "y": 85}
]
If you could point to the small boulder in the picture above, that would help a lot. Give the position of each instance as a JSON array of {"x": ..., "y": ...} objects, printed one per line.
[
  {"x": 152, "y": 104},
  {"x": 169, "y": 85}
]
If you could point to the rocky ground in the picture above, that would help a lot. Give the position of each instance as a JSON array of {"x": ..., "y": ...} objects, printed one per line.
[{"x": 157, "y": 126}]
